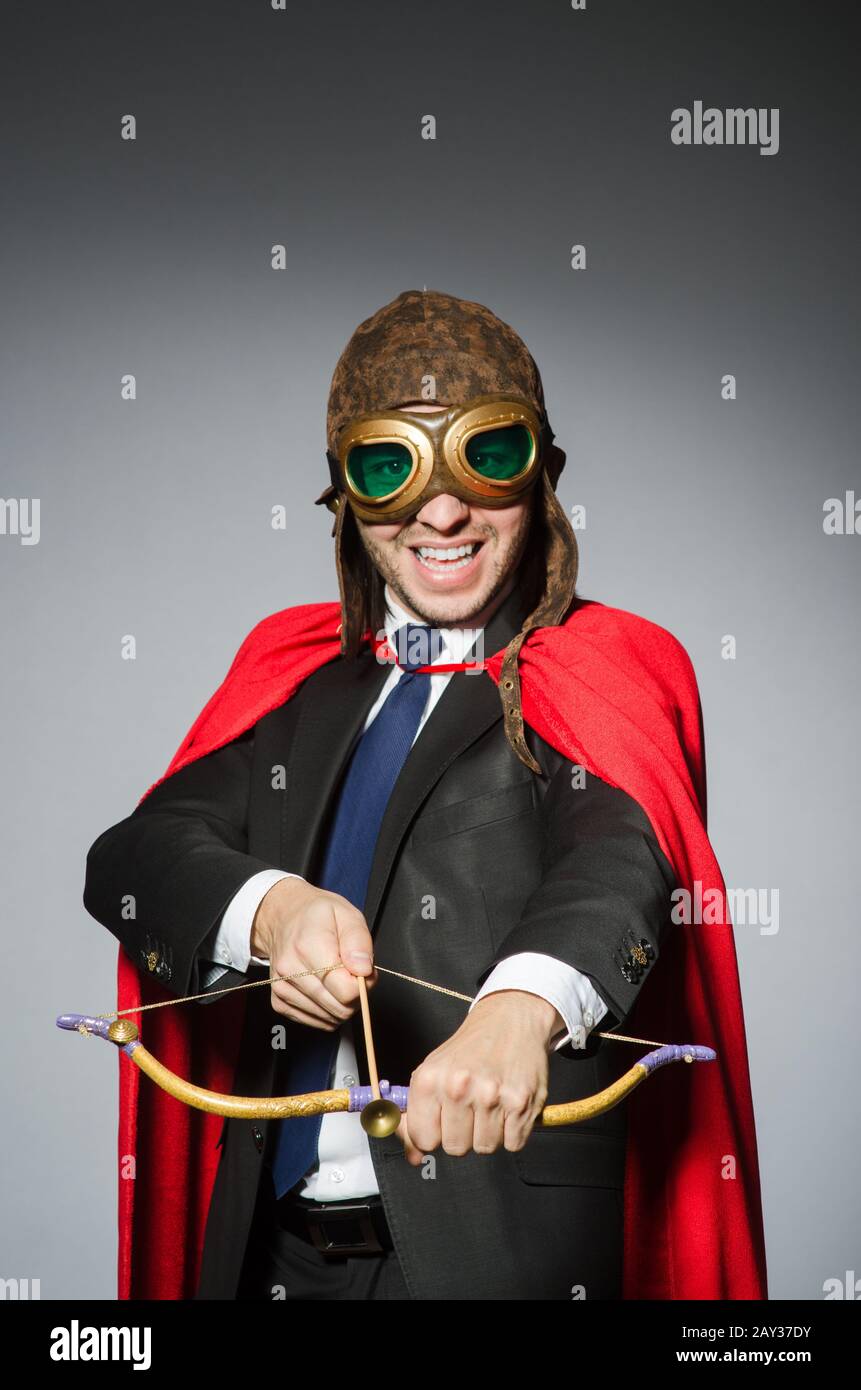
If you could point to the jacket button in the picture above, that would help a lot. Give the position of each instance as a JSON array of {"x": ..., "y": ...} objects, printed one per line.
[{"x": 257, "y": 1136}]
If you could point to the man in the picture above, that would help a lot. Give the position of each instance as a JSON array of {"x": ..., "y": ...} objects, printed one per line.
[{"x": 368, "y": 812}]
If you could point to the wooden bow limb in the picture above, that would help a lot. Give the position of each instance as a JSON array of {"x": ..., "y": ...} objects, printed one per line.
[{"x": 124, "y": 1034}]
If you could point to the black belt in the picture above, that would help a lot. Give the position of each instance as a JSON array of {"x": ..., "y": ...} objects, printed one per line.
[{"x": 337, "y": 1228}]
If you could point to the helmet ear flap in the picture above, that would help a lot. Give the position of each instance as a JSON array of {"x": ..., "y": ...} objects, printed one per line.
[
  {"x": 348, "y": 589},
  {"x": 560, "y": 585},
  {"x": 360, "y": 586},
  {"x": 562, "y": 558}
]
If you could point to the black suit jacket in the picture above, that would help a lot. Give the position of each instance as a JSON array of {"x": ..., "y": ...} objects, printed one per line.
[{"x": 477, "y": 859}]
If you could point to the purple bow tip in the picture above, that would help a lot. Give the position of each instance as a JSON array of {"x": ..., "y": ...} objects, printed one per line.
[
  {"x": 84, "y": 1023},
  {"x": 677, "y": 1052}
]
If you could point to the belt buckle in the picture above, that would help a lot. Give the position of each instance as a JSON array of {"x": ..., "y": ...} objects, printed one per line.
[{"x": 358, "y": 1211}]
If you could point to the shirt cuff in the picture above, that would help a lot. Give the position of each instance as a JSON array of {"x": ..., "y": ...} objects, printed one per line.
[
  {"x": 230, "y": 948},
  {"x": 572, "y": 993}
]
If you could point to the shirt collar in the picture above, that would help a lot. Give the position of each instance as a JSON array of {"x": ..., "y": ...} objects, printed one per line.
[{"x": 457, "y": 641}]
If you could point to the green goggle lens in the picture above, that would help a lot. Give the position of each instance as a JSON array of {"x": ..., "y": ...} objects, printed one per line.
[
  {"x": 376, "y": 470},
  {"x": 500, "y": 454}
]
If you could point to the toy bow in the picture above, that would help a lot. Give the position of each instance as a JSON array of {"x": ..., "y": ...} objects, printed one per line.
[{"x": 380, "y": 1105}]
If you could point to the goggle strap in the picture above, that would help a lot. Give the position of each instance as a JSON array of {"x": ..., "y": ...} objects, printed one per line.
[{"x": 335, "y": 470}]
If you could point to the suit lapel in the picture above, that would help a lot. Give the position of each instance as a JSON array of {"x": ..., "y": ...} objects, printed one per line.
[{"x": 334, "y": 706}]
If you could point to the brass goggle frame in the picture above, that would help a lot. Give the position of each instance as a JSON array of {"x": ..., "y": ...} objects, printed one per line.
[{"x": 437, "y": 446}]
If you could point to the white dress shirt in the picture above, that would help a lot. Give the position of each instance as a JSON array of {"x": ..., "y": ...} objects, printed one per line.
[{"x": 345, "y": 1169}]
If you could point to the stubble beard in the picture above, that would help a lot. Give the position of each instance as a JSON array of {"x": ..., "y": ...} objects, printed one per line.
[{"x": 504, "y": 568}]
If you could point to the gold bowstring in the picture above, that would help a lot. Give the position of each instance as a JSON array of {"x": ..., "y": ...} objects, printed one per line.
[{"x": 324, "y": 970}]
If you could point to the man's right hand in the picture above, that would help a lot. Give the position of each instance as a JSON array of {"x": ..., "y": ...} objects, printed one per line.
[{"x": 300, "y": 927}]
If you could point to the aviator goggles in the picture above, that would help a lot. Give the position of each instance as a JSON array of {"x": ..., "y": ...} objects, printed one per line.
[{"x": 390, "y": 463}]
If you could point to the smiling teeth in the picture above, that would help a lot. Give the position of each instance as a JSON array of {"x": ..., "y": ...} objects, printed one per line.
[{"x": 452, "y": 556}]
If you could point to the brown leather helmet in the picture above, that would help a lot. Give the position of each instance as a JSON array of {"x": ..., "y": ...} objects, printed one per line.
[{"x": 430, "y": 346}]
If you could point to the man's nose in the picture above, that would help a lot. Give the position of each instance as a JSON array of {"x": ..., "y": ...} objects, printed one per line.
[{"x": 443, "y": 511}]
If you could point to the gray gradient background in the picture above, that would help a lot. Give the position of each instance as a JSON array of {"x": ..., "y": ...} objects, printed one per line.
[{"x": 257, "y": 127}]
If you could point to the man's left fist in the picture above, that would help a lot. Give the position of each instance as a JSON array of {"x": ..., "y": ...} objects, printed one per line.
[{"x": 483, "y": 1088}]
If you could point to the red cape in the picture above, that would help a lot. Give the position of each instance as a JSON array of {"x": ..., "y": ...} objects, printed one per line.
[{"x": 617, "y": 695}]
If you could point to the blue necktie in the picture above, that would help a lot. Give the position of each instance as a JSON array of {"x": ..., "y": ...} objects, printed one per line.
[{"x": 371, "y": 774}]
